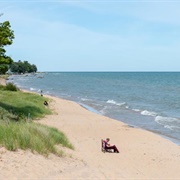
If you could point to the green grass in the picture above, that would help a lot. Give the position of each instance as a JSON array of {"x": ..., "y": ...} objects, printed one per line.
[
  {"x": 23, "y": 104},
  {"x": 33, "y": 136},
  {"x": 17, "y": 129}
]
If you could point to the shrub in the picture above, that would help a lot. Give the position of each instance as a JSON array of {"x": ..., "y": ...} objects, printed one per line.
[
  {"x": 1, "y": 87},
  {"x": 11, "y": 87}
]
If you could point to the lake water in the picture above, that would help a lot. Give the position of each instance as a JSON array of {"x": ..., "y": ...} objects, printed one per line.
[{"x": 148, "y": 100}]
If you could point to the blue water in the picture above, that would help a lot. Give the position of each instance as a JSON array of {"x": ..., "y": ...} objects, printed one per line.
[{"x": 148, "y": 100}]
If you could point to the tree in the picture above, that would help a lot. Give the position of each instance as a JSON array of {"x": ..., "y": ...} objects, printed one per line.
[
  {"x": 6, "y": 38},
  {"x": 14, "y": 67},
  {"x": 34, "y": 68},
  {"x": 22, "y": 67}
]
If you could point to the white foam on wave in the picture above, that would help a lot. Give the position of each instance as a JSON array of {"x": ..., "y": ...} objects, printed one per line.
[
  {"x": 111, "y": 101},
  {"x": 148, "y": 113},
  {"x": 168, "y": 122},
  {"x": 32, "y": 89},
  {"x": 172, "y": 127},
  {"x": 115, "y": 103},
  {"x": 165, "y": 119},
  {"x": 169, "y": 127},
  {"x": 136, "y": 110},
  {"x": 85, "y": 99}
]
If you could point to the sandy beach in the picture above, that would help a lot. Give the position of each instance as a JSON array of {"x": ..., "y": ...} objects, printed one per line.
[
  {"x": 143, "y": 154},
  {"x": 2, "y": 81}
]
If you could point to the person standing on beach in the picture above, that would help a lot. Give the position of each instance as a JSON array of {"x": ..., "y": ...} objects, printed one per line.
[
  {"x": 41, "y": 93},
  {"x": 108, "y": 146}
]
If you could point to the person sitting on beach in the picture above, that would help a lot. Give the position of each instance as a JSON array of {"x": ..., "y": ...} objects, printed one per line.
[
  {"x": 108, "y": 146},
  {"x": 45, "y": 103}
]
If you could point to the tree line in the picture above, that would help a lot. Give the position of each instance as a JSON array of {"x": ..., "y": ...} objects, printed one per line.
[
  {"x": 6, "y": 62},
  {"x": 22, "y": 67}
]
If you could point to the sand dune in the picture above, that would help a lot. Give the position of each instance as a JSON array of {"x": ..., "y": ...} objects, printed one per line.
[{"x": 143, "y": 155}]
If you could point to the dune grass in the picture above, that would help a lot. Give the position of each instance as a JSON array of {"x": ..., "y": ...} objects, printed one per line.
[
  {"x": 33, "y": 136},
  {"x": 23, "y": 104},
  {"x": 17, "y": 129}
]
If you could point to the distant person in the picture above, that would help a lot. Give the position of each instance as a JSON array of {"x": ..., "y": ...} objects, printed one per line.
[
  {"x": 108, "y": 146},
  {"x": 45, "y": 103},
  {"x": 41, "y": 93}
]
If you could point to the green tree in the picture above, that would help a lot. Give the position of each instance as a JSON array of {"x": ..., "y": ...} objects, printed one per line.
[
  {"x": 6, "y": 38},
  {"x": 14, "y": 67},
  {"x": 34, "y": 68},
  {"x": 22, "y": 67}
]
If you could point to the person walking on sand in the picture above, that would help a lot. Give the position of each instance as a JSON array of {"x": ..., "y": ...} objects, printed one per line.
[{"x": 108, "y": 146}]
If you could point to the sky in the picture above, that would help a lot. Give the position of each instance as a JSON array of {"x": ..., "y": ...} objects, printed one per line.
[{"x": 95, "y": 35}]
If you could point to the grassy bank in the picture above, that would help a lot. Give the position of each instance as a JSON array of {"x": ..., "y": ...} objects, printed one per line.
[
  {"x": 36, "y": 137},
  {"x": 20, "y": 105},
  {"x": 17, "y": 129}
]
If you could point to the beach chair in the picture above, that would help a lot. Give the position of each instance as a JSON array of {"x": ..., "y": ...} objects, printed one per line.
[{"x": 103, "y": 147}]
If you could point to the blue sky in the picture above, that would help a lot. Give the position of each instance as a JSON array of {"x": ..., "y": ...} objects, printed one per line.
[{"x": 95, "y": 35}]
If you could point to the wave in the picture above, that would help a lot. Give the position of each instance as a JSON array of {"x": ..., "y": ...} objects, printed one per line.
[
  {"x": 160, "y": 119},
  {"x": 85, "y": 99},
  {"x": 32, "y": 89},
  {"x": 169, "y": 122},
  {"x": 148, "y": 113},
  {"x": 172, "y": 127},
  {"x": 136, "y": 110},
  {"x": 115, "y": 103}
]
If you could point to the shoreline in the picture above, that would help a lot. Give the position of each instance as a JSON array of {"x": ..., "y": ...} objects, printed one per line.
[
  {"x": 88, "y": 108},
  {"x": 169, "y": 138},
  {"x": 138, "y": 147},
  {"x": 143, "y": 154},
  {"x": 165, "y": 136},
  {"x": 136, "y": 116}
]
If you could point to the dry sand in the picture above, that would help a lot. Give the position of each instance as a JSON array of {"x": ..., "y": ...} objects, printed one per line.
[
  {"x": 143, "y": 154},
  {"x": 2, "y": 81}
]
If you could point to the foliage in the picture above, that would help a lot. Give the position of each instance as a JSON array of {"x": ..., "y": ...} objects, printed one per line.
[
  {"x": 22, "y": 67},
  {"x": 6, "y": 34},
  {"x": 6, "y": 117},
  {"x": 11, "y": 87},
  {"x": 6, "y": 38},
  {"x": 36, "y": 137},
  {"x": 17, "y": 130},
  {"x": 3, "y": 68},
  {"x": 22, "y": 104}
]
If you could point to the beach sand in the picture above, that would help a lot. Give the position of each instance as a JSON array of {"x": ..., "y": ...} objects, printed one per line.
[
  {"x": 2, "y": 81},
  {"x": 143, "y": 154}
]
